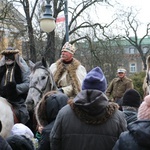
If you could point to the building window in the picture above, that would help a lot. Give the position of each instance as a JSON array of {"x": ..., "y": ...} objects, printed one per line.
[
  {"x": 145, "y": 50},
  {"x": 132, "y": 67},
  {"x": 131, "y": 51}
]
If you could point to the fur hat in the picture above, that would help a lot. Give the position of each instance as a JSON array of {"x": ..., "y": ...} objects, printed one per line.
[
  {"x": 144, "y": 109},
  {"x": 69, "y": 48},
  {"x": 95, "y": 79},
  {"x": 131, "y": 98},
  {"x": 9, "y": 50}
]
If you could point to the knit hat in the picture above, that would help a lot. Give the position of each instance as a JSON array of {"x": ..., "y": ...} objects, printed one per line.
[
  {"x": 69, "y": 48},
  {"x": 144, "y": 109},
  {"x": 131, "y": 98},
  {"x": 95, "y": 79},
  {"x": 9, "y": 50}
]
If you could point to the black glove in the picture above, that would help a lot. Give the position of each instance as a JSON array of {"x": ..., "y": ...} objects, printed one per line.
[{"x": 10, "y": 91}]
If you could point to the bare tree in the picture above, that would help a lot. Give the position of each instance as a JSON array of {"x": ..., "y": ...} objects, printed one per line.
[
  {"x": 75, "y": 12},
  {"x": 130, "y": 26},
  {"x": 74, "y": 27}
]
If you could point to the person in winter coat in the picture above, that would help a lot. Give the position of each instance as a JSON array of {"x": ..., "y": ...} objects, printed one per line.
[
  {"x": 118, "y": 86},
  {"x": 89, "y": 121},
  {"x": 20, "y": 142},
  {"x": 68, "y": 71},
  {"x": 138, "y": 134},
  {"x": 46, "y": 113},
  {"x": 3, "y": 143},
  {"x": 14, "y": 82},
  {"x": 131, "y": 101}
]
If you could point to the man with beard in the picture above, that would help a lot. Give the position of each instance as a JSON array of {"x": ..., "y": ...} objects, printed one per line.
[
  {"x": 68, "y": 71},
  {"x": 14, "y": 82}
]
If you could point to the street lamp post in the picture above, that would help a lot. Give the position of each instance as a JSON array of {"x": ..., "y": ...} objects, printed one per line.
[
  {"x": 47, "y": 22},
  {"x": 66, "y": 19}
]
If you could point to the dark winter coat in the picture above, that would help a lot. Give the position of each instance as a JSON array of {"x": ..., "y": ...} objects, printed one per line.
[
  {"x": 20, "y": 77},
  {"x": 88, "y": 123},
  {"x": 15, "y": 92},
  {"x": 137, "y": 138},
  {"x": 46, "y": 113},
  {"x": 4, "y": 145},
  {"x": 130, "y": 114},
  {"x": 18, "y": 142}
]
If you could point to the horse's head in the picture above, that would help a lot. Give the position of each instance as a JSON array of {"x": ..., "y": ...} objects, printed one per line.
[{"x": 41, "y": 81}]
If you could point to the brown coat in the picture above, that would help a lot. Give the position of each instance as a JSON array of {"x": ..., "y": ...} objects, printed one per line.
[{"x": 118, "y": 87}]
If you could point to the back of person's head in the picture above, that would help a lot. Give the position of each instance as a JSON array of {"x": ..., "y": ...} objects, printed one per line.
[
  {"x": 131, "y": 98},
  {"x": 95, "y": 80},
  {"x": 20, "y": 142},
  {"x": 144, "y": 109},
  {"x": 49, "y": 106}
]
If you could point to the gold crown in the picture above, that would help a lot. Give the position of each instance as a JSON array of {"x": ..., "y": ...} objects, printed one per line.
[{"x": 69, "y": 48}]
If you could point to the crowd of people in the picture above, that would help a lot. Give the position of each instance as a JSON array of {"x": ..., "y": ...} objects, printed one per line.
[{"x": 85, "y": 113}]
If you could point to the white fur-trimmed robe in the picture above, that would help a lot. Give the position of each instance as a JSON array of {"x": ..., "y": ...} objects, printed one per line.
[{"x": 69, "y": 77}]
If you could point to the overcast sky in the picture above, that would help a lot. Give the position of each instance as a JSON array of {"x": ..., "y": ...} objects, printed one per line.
[{"x": 105, "y": 12}]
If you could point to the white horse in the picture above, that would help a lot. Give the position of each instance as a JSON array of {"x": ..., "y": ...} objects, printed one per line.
[
  {"x": 6, "y": 117},
  {"x": 41, "y": 81}
]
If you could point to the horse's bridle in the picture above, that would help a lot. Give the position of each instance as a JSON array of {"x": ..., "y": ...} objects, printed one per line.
[{"x": 42, "y": 90}]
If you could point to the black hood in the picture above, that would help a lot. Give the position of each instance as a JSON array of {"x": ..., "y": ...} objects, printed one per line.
[
  {"x": 49, "y": 107},
  {"x": 18, "y": 142},
  {"x": 93, "y": 102},
  {"x": 93, "y": 107},
  {"x": 54, "y": 104},
  {"x": 141, "y": 132}
]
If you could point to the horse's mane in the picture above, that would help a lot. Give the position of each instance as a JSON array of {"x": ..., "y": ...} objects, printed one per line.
[{"x": 37, "y": 65}]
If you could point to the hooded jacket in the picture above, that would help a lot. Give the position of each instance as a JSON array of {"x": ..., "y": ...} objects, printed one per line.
[
  {"x": 46, "y": 113},
  {"x": 89, "y": 122},
  {"x": 20, "y": 142},
  {"x": 4, "y": 145},
  {"x": 136, "y": 138}
]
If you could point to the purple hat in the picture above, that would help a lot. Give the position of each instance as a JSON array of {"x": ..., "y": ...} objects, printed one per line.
[{"x": 95, "y": 79}]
